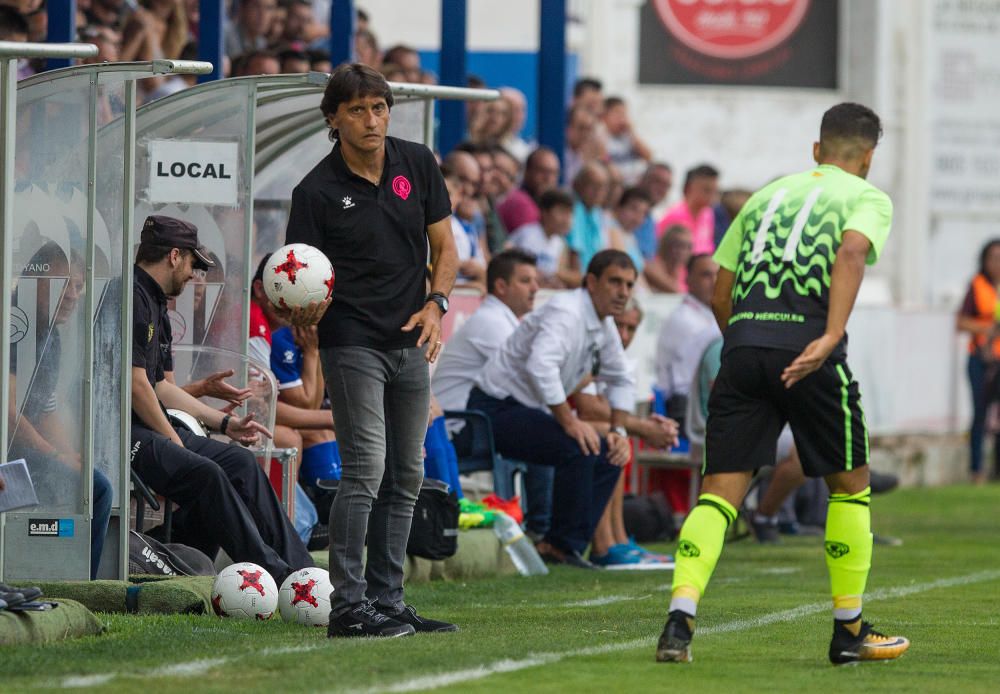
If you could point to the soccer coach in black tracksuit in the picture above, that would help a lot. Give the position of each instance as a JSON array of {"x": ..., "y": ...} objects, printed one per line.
[{"x": 224, "y": 497}]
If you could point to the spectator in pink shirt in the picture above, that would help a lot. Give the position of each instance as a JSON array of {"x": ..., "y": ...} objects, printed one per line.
[
  {"x": 694, "y": 212},
  {"x": 520, "y": 206}
]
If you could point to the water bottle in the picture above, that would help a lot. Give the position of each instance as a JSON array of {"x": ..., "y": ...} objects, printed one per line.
[{"x": 521, "y": 551}]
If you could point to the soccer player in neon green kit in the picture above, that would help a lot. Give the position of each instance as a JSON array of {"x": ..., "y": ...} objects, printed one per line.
[{"x": 791, "y": 264}]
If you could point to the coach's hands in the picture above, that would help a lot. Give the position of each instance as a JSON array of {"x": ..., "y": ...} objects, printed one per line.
[
  {"x": 429, "y": 319},
  {"x": 584, "y": 434},
  {"x": 246, "y": 431},
  {"x": 304, "y": 316},
  {"x": 215, "y": 386},
  {"x": 812, "y": 357},
  {"x": 659, "y": 431},
  {"x": 618, "y": 449}
]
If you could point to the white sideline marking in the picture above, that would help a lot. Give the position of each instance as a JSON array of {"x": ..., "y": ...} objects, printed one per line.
[
  {"x": 446, "y": 678},
  {"x": 189, "y": 669},
  {"x": 87, "y": 681},
  {"x": 606, "y": 600}
]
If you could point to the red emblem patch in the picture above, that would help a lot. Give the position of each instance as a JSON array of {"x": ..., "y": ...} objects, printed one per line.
[
  {"x": 401, "y": 187},
  {"x": 251, "y": 580},
  {"x": 303, "y": 593},
  {"x": 290, "y": 267}
]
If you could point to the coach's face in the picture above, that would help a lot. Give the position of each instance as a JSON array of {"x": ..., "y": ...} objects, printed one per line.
[
  {"x": 362, "y": 123},
  {"x": 611, "y": 291}
]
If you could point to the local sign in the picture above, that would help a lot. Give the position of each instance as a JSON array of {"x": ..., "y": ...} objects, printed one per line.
[{"x": 190, "y": 171}]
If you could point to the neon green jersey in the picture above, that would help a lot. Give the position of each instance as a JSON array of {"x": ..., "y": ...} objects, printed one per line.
[{"x": 781, "y": 247}]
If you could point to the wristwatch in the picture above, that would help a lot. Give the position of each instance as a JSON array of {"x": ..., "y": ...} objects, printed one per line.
[
  {"x": 440, "y": 299},
  {"x": 620, "y": 431}
]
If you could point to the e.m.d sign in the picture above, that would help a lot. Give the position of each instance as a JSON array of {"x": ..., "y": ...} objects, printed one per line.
[{"x": 188, "y": 171}]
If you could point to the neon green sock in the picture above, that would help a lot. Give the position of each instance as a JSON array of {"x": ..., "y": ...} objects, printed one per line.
[
  {"x": 698, "y": 550},
  {"x": 848, "y": 550}
]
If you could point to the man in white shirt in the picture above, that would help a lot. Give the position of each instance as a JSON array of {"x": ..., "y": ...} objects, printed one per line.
[
  {"x": 512, "y": 282},
  {"x": 524, "y": 388},
  {"x": 685, "y": 335}
]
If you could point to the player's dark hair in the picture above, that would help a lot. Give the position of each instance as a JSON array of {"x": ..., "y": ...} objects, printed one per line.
[
  {"x": 259, "y": 274},
  {"x": 585, "y": 83},
  {"x": 555, "y": 198},
  {"x": 850, "y": 121},
  {"x": 608, "y": 258},
  {"x": 633, "y": 193},
  {"x": 351, "y": 81},
  {"x": 987, "y": 247},
  {"x": 503, "y": 264},
  {"x": 700, "y": 171}
]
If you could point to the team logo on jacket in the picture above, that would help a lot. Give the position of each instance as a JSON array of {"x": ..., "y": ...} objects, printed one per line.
[
  {"x": 348, "y": 203},
  {"x": 401, "y": 187}
]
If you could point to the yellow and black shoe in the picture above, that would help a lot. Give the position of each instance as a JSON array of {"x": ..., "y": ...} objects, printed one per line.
[
  {"x": 675, "y": 641},
  {"x": 856, "y": 641}
]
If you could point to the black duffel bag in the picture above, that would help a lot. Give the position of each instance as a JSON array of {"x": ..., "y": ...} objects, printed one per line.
[
  {"x": 434, "y": 531},
  {"x": 147, "y": 555}
]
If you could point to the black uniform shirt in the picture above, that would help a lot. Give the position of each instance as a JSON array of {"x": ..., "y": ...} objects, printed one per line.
[
  {"x": 150, "y": 330},
  {"x": 376, "y": 239}
]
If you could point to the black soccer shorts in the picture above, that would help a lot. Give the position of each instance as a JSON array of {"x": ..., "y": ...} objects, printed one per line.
[{"x": 749, "y": 405}]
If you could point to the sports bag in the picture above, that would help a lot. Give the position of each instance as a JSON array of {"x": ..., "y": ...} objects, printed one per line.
[
  {"x": 151, "y": 557},
  {"x": 434, "y": 531}
]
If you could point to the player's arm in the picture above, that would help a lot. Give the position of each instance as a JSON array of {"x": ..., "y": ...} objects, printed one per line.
[
  {"x": 845, "y": 280},
  {"x": 444, "y": 260},
  {"x": 302, "y": 418},
  {"x": 657, "y": 431},
  {"x": 147, "y": 407},
  {"x": 722, "y": 299},
  {"x": 241, "y": 429}
]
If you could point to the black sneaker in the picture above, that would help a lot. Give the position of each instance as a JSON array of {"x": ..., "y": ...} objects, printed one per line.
[
  {"x": 675, "y": 641},
  {"x": 855, "y": 641},
  {"x": 364, "y": 620},
  {"x": 408, "y": 615},
  {"x": 29, "y": 592}
]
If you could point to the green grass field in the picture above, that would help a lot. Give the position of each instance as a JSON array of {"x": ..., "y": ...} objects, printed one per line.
[{"x": 764, "y": 626}]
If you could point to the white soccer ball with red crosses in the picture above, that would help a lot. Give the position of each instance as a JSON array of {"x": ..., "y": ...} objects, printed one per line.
[
  {"x": 296, "y": 275},
  {"x": 304, "y": 597},
  {"x": 244, "y": 591}
]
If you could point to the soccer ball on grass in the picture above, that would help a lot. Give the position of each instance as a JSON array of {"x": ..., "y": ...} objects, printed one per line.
[
  {"x": 304, "y": 597},
  {"x": 244, "y": 591}
]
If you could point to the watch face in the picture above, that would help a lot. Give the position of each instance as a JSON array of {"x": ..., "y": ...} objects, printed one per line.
[{"x": 443, "y": 301}]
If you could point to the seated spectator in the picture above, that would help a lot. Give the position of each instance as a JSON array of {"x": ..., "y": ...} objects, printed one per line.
[
  {"x": 495, "y": 234},
  {"x": 366, "y": 49},
  {"x": 471, "y": 266},
  {"x": 541, "y": 173},
  {"x": 496, "y": 120},
  {"x": 471, "y": 209},
  {"x": 588, "y": 93},
  {"x": 628, "y": 215},
  {"x": 546, "y": 241},
  {"x": 523, "y": 389},
  {"x": 507, "y": 172},
  {"x": 511, "y": 140},
  {"x": 694, "y": 212},
  {"x": 612, "y": 545},
  {"x": 685, "y": 334},
  {"x": 248, "y": 30},
  {"x": 224, "y": 497},
  {"x": 725, "y": 211},
  {"x": 583, "y": 144},
  {"x": 107, "y": 40},
  {"x": 407, "y": 59},
  {"x": 256, "y": 63},
  {"x": 293, "y": 61},
  {"x": 512, "y": 283},
  {"x": 300, "y": 25},
  {"x": 667, "y": 271},
  {"x": 588, "y": 235},
  {"x": 319, "y": 60},
  {"x": 615, "y": 189},
  {"x": 39, "y": 432},
  {"x": 655, "y": 183},
  {"x": 626, "y": 150}
]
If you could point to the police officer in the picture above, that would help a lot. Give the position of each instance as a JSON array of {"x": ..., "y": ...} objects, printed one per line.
[{"x": 224, "y": 497}]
